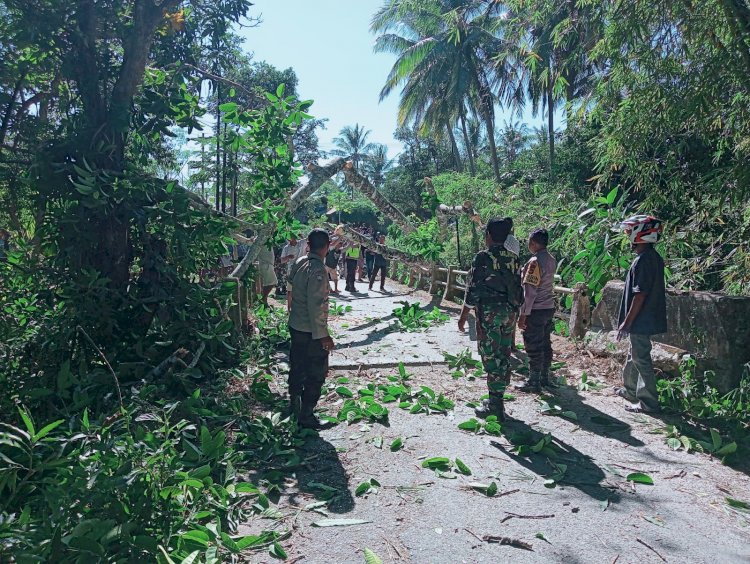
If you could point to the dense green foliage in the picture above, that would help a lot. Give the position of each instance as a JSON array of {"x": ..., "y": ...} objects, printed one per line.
[
  {"x": 122, "y": 427},
  {"x": 125, "y": 433},
  {"x": 656, "y": 105}
]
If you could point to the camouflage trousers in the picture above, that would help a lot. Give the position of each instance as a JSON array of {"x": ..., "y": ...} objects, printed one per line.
[{"x": 495, "y": 323}]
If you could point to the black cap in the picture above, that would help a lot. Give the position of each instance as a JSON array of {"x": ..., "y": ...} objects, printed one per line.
[{"x": 499, "y": 229}]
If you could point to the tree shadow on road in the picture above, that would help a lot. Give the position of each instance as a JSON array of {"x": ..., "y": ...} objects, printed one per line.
[
  {"x": 582, "y": 473},
  {"x": 323, "y": 476}
]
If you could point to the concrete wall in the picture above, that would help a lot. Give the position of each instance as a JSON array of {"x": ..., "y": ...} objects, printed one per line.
[{"x": 715, "y": 328}]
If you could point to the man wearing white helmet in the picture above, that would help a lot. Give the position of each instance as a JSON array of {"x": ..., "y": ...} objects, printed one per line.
[{"x": 643, "y": 312}]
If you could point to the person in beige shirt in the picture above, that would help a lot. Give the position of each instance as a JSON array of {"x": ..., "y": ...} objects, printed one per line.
[{"x": 308, "y": 325}]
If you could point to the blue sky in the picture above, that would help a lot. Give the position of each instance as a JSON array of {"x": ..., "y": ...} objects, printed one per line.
[{"x": 329, "y": 45}]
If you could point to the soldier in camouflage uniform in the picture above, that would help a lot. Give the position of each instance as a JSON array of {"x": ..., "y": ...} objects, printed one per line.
[{"x": 494, "y": 291}]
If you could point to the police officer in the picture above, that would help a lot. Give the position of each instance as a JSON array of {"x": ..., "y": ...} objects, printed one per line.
[
  {"x": 308, "y": 325},
  {"x": 538, "y": 311},
  {"x": 494, "y": 291}
]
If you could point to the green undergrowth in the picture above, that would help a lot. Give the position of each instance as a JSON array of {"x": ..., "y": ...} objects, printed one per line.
[
  {"x": 158, "y": 472},
  {"x": 714, "y": 423},
  {"x": 157, "y": 480}
]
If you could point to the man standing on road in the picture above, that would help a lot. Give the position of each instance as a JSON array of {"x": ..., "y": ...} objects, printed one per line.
[
  {"x": 308, "y": 325},
  {"x": 538, "y": 311},
  {"x": 643, "y": 312},
  {"x": 352, "y": 259},
  {"x": 380, "y": 264},
  {"x": 494, "y": 291}
]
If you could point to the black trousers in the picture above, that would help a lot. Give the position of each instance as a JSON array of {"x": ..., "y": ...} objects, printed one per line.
[
  {"x": 537, "y": 339},
  {"x": 351, "y": 273},
  {"x": 369, "y": 264},
  {"x": 374, "y": 273},
  {"x": 308, "y": 367}
]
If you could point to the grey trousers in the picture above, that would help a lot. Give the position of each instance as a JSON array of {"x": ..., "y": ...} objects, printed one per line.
[{"x": 638, "y": 374}]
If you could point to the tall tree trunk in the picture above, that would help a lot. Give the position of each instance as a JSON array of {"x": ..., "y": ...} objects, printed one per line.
[
  {"x": 365, "y": 187},
  {"x": 224, "y": 175},
  {"x": 4, "y": 126},
  {"x": 489, "y": 124},
  {"x": 551, "y": 126},
  {"x": 454, "y": 148},
  {"x": 467, "y": 144},
  {"x": 488, "y": 113},
  {"x": 218, "y": 147}
]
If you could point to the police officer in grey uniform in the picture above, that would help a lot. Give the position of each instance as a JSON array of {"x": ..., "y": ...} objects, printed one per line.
[{"x": 308, "y": 325}]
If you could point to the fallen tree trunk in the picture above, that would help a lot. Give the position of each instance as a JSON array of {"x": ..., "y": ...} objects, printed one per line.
[
  {"x": 356, "y": 180},
  {"x": 388, "y": 252},
  {"x": 317, "y": 176}
]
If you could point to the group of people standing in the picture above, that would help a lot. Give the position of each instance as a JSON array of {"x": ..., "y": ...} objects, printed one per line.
[
  {"x": 502, "y": 295},
  {"x": 359, "y": 260},
  {"x": 344, "y": 259}
]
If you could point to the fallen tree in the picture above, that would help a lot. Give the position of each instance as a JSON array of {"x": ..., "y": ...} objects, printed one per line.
[
  {"x": 388, "y": 252},
  {"x": 356, "y": 180},
  {"x": 317, "y": 175}
]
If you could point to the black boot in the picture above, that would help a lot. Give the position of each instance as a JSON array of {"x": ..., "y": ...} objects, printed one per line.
[
  {"x": 307, "y": 417},
  {"x": 547, "y": 381},
  {"x": 531, "y": 385},
  {"x": 492, "y": 406}
]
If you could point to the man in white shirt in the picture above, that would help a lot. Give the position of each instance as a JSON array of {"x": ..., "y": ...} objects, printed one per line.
[{"x": 290, "y": 254}]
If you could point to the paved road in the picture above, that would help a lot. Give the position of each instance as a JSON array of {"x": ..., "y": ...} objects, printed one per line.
[
  {"x": 593, "y": 514},
  {"x": 365, "y": 336}
]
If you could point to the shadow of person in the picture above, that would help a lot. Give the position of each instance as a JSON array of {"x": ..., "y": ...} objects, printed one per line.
[
  {"x": 322, "y": 475},
  {"x": 593, "y": 420},
  {"x": 581, "y": 474}
]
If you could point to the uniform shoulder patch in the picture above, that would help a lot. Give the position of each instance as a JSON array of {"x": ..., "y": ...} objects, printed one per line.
[{"x": 532, "y": 273}]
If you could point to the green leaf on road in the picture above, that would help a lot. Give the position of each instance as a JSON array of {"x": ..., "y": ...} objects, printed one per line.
[
  {"x": 738, "y": 504},
  {"x": 470, "y": 425},
  {"x": 436, "y": 462},
  {"x": 371, "y": 557},
  {"x": 277, "y": 551},
  {"x": 640, "y": 478},
  {"x": 462, "y": 467},
  {"x": 397, "y": 444},
  {"x": 344, "y": 392}
]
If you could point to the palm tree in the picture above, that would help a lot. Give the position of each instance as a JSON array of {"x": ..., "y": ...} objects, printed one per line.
[
  {"x": 556, "y": 39},
  {"x": 444, "y": 48},
  {"x": 377, "y": 165},
  {"x": 513, "y": 138},
  {"x": 352, "y": 144}
]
